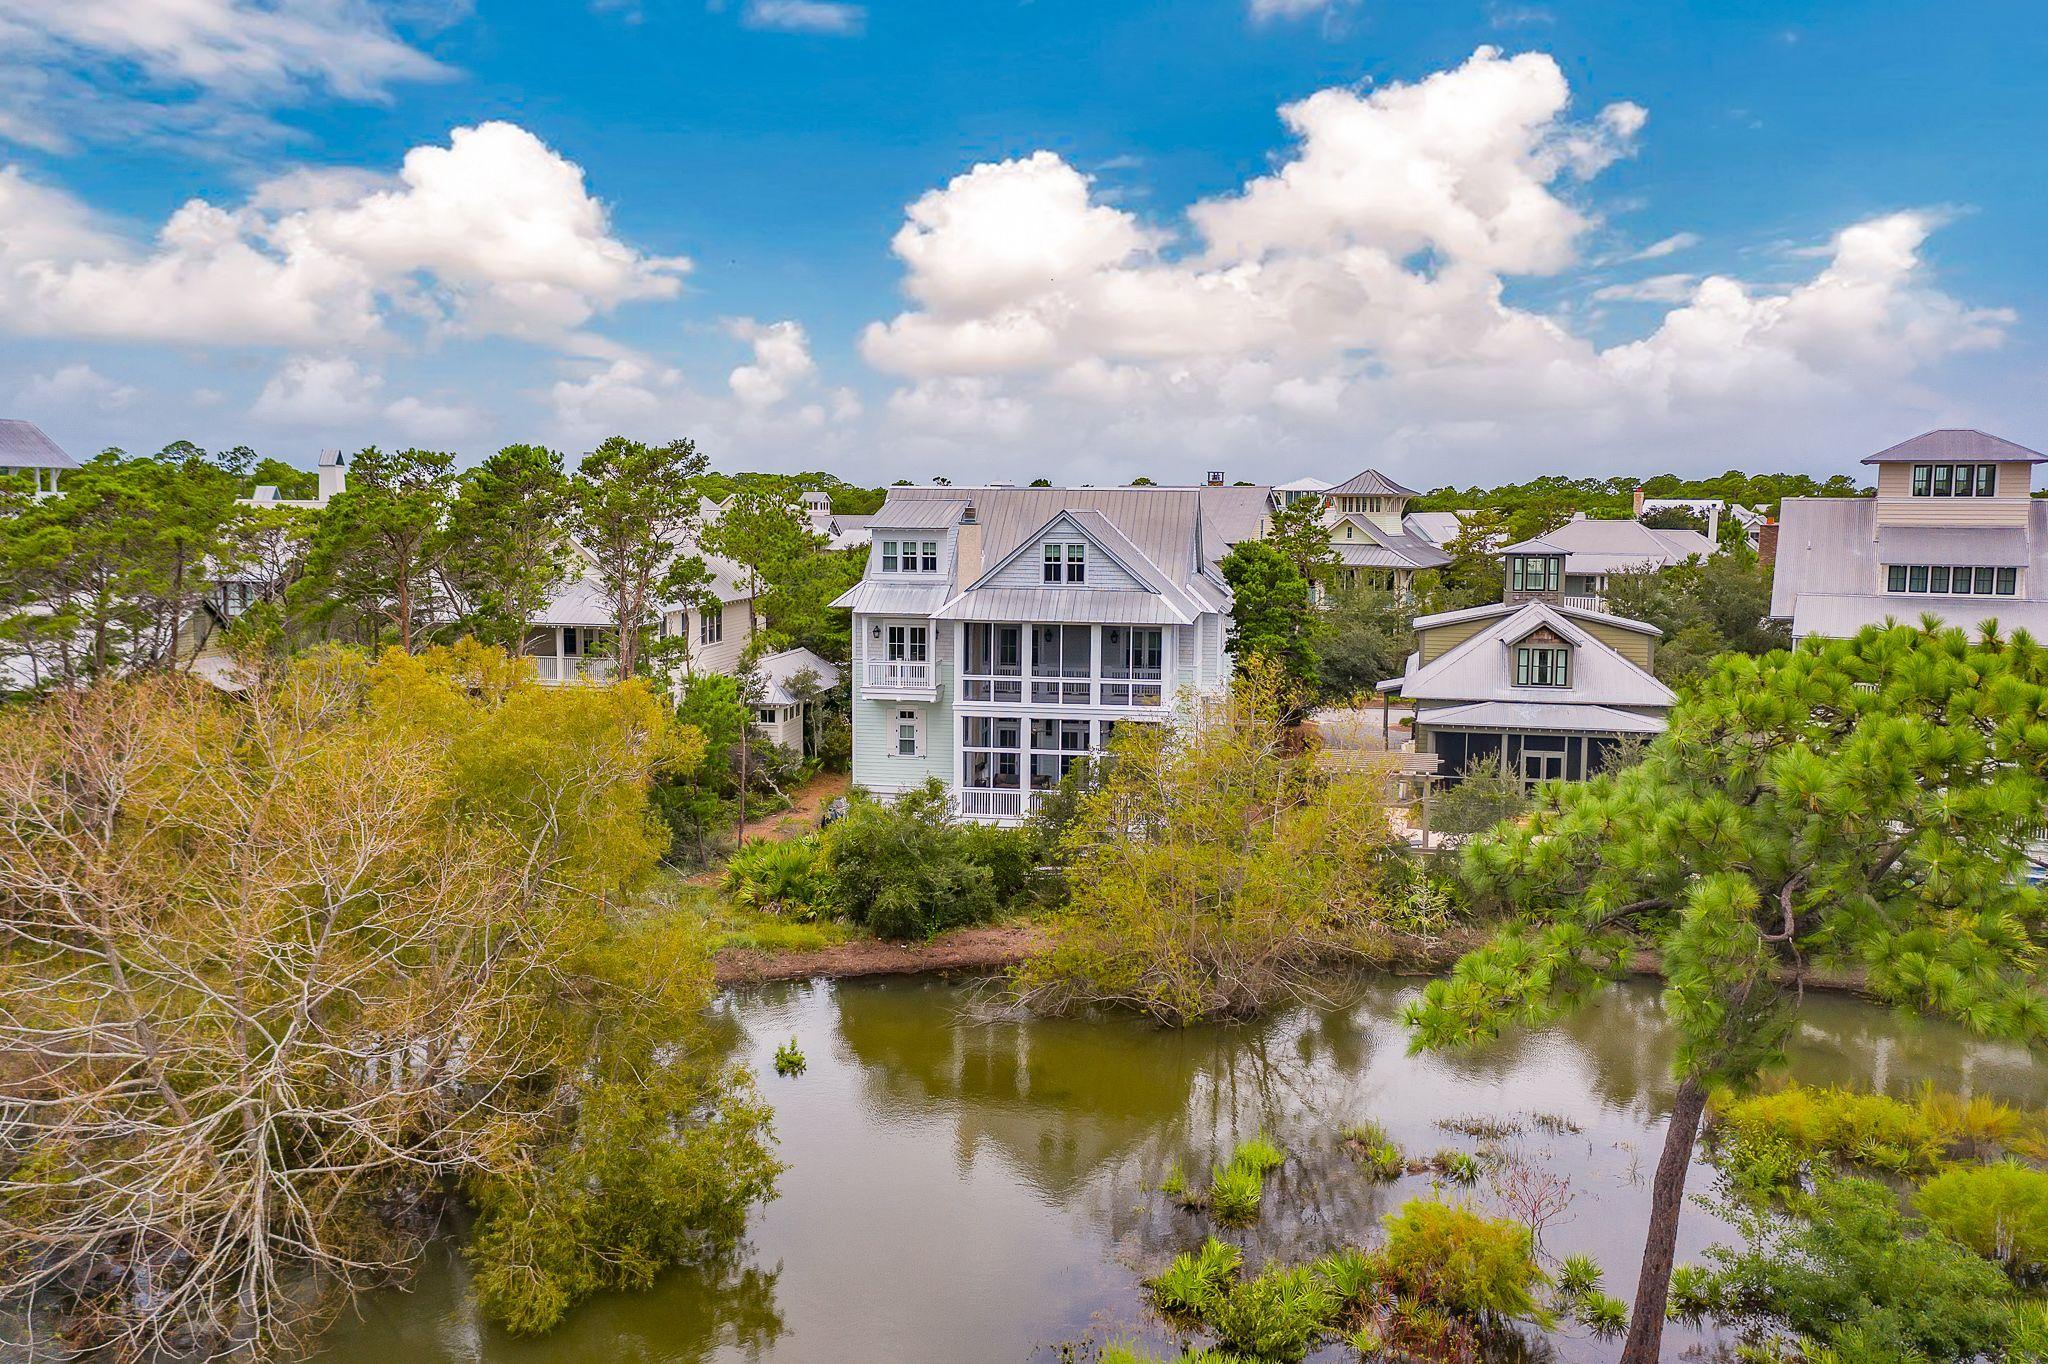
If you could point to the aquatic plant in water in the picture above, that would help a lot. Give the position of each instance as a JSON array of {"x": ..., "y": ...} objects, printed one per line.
[
  {"x": 1374, "y": 1150},
  {"x": 1459, "y": 1167},
  {"x": 1191, "y": 1283},
  {"x": 789, "y": 1059},
  {"x": 1235, "y": 1194}
]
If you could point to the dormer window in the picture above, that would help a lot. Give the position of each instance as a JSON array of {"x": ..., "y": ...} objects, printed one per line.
[
  {"x": 1538, "y": 665},
  {"x": 910, "y": 556},
  {"x": 1955, "y": 480},
  {"x": 1065, "y": 562}
]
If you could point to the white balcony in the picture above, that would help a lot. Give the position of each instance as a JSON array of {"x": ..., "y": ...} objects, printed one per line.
[
  {"x": 980, "y": 802},
  {"x": 902, "y": 677},
  {"x": 557, "y": 670},
  {"x": 1587, "y": 603},
  {"x": 983, "y": 803}
]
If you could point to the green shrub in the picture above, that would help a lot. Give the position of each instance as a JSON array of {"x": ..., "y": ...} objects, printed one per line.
[
  {"x": 777, "y": 878},
  {"x": 1192, "y": 1283},
  {"x": 1277, "y": 1316},
  {"x": 1694, "y": 1295},
  {"x": 1484, "y": 795},
  {"x": 1453, "y": 1258},
  {"x": 1235, "y": 1194},
  {"x": 1578, "y": 1276},
  {"x": 906, "y": 870},
  {"x": 2000, "y": 1211},
  {"x": 1848, "y": 1270}
]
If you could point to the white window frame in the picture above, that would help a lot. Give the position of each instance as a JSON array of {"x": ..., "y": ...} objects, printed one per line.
[
  {"x": 909, "y": 725},
  {"x": 711, "y": 625},
  {"x": 1063, "y": 562}
]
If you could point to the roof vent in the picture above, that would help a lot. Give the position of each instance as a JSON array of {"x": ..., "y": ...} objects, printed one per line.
[{"x": 1215, "y": 478}]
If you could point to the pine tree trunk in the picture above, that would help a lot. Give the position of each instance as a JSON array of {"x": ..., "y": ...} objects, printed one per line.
[{"x": 1660, "y": 1244}]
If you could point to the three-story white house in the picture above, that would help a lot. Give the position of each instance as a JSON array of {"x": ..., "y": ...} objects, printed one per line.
[{"x": 1002, "y": 633}]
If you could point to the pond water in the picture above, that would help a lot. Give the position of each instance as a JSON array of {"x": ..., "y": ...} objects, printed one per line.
[{"x": 963, "y": 1187}]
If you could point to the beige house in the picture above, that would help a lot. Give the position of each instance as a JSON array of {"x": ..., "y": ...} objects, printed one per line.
[
  {"x": 1369, "y": 531},
  {"x": 1545, "y": 688},
  {"x": 1954, "y": 532}
]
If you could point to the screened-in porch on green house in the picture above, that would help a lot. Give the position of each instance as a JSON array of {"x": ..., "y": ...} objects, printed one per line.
[{"x": 1531, "y": 740}]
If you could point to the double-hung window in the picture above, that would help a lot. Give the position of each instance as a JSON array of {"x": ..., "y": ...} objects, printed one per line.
[
  {"x": 909, "y": 734},
  {"x": 711, "y": 625},
  {"x": 909, "y": 556},
  {"x": 1542, "y": 667},
  {"x": 1065, "y": 562}
]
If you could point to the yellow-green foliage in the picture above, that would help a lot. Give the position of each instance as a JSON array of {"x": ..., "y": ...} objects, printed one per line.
[
  {"x": 1457, "y": 1260},
  {"x": 1213, "y": 868},
  {"x": 2000, "y": 1211},
  {"x": 418, "y": 880},
  {"x": 1899, "y": 1136}
]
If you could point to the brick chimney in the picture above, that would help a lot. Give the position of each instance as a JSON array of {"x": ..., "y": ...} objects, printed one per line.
[
  {"x": 1767, "y": 545},
  {"x": 1639, "y": 504}
]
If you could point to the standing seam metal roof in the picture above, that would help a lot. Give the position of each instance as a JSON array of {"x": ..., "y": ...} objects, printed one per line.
[{"x": 24, "y": 446}]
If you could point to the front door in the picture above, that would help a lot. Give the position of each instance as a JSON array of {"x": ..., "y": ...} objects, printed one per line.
[{"x": 1542, "y": 767}]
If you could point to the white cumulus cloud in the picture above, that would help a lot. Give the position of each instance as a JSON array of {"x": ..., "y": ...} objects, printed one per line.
[
  {"x": 1358, "y": 297},
  {"x": 493, "y": 233}
]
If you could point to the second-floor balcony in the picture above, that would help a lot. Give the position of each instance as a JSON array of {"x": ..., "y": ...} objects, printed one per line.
[
  {"x": 902, "y": 677},
  {"x": 1585, "y": 603},
  {"x": 574, "y": 669}
]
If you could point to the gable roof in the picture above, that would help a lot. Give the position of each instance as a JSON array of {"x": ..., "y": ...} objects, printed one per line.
[
  {"x": 1480, "y": 668},
  {"x": 1496, "y": 608},
  {"x": 778, "y": 670},
  {"x": 1175, "y": 601},
  {"x": 24, "y": 446},
  {"x": 1594, "y": 546},
  {"x": 1371, "y": 483},
  {"x": 1182, "y": 530},
  {"x": 1385, "y": 548},
  {"x": 1957, "y": 443}
]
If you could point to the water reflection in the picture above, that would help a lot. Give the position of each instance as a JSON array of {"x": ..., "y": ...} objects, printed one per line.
[{"x": 966, "y": 1186}]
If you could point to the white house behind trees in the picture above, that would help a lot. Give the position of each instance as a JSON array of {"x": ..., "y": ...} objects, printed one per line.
[
  {"x": 1001, "y": 633},
  {"x": 25, "y": 449},
  {"x": 1588, "y": 551}
]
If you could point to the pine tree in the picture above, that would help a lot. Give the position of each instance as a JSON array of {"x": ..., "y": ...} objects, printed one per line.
[{"x": 1861, "y": 805}]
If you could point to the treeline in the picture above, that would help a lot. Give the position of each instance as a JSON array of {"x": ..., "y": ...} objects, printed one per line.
[
  {"x": 1544, "y": 503},
  {"x": 111, "y": 576}
]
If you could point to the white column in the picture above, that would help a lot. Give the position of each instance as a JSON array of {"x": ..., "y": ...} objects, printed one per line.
[{"x": 561, "y": 654}]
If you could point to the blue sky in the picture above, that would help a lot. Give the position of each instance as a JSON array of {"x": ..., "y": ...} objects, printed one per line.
[{"x": 1495, "y": 238}]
